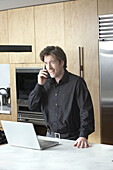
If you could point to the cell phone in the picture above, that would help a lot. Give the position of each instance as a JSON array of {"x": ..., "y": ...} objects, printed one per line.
[{"x": 48, "y": 76}]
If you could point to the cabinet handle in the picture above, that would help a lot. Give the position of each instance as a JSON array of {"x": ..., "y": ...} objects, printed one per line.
[{"x": 81, "y": 61}]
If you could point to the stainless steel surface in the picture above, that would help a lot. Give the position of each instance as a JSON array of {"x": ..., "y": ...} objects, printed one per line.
[
  {"x": 28, "y": 70},
  {"x": 3, "y": 96},
  {"x": 5, "y": 109},
  {"x": 3, "y": 99},
  {"x": 106, "y": 72},
  {"x": 106, "y": 27},
  {"x": 10, "y": 4},
  {"x": 25, "y": 115},
  {"x": 106, "y": 90}
]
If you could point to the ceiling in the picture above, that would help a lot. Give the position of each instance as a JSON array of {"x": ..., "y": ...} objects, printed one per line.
[{"x": 11, "y": 4}]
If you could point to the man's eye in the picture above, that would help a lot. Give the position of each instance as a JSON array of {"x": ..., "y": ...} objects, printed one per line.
[{"x": 52, "y": 62}]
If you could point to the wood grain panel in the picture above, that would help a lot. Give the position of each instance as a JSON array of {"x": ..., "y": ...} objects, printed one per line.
[
  {"x": 71, "y": 36},
  {"x": 49, "y": 26},
  {"x": 21, "y": 31},
  {"x": 91, "y": 60},
  {"x": 81, "y": 29},
  {"x": 105, "y": 7},
  {"x": 4, "y": 58}
]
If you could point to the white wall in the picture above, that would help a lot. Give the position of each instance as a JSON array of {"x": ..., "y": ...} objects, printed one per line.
[{"x": 4, "y": 76}]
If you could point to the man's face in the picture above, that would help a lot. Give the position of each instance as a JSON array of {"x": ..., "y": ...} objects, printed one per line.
[{"x": 54, "y": 66}]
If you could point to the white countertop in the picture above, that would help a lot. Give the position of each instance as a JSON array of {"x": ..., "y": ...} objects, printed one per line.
[{"x": 61, "y": 157}]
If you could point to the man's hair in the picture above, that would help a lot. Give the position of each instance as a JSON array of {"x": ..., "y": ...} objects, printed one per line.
[{"x": 55, "y": 51}]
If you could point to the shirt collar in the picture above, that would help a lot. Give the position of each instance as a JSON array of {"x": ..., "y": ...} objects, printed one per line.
[{"x": 64, "y": 78}]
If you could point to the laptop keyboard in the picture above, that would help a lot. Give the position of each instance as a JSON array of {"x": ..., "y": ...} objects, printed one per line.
[{"x": 45, "y": 143}]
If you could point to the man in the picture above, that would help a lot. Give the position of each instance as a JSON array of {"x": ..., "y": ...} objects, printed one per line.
[{"x": 63, "y": 99}]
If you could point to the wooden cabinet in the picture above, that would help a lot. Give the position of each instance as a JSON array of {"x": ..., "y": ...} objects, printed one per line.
[
  {"x": 105, "y": 7},
  {"x": 68, "y": 25},
  {"x": 21, "y": 32},
  {"x": 81, "y": 29},
  {"x": 49, "y": 26},
  {"x": 4, "y": 58},
  {"x": 71, "y": 33}
]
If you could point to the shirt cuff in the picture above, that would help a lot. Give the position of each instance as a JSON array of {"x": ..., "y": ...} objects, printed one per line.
[
  {"x": 38, "y": 88},
  {"x": 83, "y": 134}
]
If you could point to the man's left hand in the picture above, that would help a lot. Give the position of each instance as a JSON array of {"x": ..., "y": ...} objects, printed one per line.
[{"x": 82, "y": 142}]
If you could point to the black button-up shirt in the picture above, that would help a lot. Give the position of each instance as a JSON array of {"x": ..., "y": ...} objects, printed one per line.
[{"x": 67, "y": 106}]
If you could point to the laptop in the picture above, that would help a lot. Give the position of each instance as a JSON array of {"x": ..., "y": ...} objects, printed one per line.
[{"x": 22, "y": 134}]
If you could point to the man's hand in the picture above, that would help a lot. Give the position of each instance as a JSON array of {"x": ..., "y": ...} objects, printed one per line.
[
  {"x": 82, "y": 142},
  {"x": 42, "y": 76}
]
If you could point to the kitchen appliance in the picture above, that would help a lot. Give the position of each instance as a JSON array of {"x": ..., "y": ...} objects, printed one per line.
[
  {"x": 4, "y": 97},
  {"x": 106, "y": 77},
  {"x": 15, "y": 48},
  {"x": 21, "y": 137},
  {"x": 26, "y": 79}
]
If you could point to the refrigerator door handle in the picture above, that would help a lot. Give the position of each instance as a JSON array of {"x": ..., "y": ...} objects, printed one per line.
[{"x": 81, "y": 61}]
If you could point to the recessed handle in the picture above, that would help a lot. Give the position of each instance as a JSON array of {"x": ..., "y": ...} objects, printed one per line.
[{"x": 81, "y": 61}]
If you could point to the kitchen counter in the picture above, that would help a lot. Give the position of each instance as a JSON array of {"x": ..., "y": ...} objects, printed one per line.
[
  {"x": 5, "y": 109},
  {"x": 61, "y": 157}
]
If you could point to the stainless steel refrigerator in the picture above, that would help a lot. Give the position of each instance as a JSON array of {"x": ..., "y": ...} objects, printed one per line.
[{"x": 106, "y": 77}]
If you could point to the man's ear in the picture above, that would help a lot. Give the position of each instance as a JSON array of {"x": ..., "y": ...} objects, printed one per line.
[{"x": 62, "y": 63}]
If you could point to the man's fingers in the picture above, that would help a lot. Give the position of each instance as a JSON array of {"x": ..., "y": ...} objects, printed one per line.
[
  {"x": 75, "y": 143},
  {"x": 89, "y": 145},
  {"x": 78, "y": 144},
  {"x": 82, "y": 144},
  {"x": 85, "y": 144}
]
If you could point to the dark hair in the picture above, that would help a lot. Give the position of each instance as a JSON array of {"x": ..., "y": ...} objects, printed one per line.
[{"x": 56, "y": 51}]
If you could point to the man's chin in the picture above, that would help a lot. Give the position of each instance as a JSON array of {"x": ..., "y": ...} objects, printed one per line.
[{"x": 52, "y": 76}]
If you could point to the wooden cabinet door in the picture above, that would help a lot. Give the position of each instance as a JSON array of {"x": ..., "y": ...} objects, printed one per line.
[
  {"x": 105, "y": 7},
  {"x": 4, "y": 58},
  {"x": 21, "y": 32},
  {"x": 81, "y": 29},
  {"x": 71, "y": 33},
  {"x": 49, "y": 26},
  {"x": 91, "y": 61}
]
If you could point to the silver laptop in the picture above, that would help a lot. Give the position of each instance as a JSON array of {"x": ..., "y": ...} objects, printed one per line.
[{"x": 23, "y": 135}]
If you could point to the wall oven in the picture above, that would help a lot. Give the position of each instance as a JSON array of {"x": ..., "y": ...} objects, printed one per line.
[{"x": 26, "y": 79}]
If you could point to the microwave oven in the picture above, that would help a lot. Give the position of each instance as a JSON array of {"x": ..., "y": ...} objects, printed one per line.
[{"x": 26, "y": 79}]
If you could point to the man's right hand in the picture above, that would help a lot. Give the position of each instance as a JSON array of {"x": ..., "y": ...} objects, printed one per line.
[{"x": 42, "y": 76}]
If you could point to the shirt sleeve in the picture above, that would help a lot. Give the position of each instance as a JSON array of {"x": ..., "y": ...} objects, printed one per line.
[
  {"x": 34, "y": 100},
  {"x": 86, "y": 109}
]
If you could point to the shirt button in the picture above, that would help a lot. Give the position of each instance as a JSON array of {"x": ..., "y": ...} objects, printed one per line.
[
  {"x": 55, "y": 94},
  {"x": 56, "y": 104}
]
